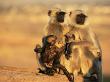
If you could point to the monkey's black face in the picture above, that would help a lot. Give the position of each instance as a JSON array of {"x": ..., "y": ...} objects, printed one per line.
[
  {"x": 60, "y": 16},
  {"x": 80, "y": 18}
]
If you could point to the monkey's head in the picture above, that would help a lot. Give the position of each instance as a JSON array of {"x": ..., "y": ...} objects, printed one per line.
[
  {"x": 78, "y": 17},
  {"x": 56, "y": 15},
  {"x": 50, "y": 39}
]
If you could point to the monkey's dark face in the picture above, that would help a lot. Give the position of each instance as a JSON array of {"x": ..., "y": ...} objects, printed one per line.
[
  {"x": 60, "y": 16},
  {"x": 80, "y": 18},
  {"x": 57, "y": 14}
]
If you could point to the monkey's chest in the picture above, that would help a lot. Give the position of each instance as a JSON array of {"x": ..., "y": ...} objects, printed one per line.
[
  {"x": 75, "y": 37},
  {"x": 58, "y": 32}
]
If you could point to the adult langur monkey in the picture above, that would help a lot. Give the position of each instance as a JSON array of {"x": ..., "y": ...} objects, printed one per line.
[
  {"x": 57, "y": 26},
  {"x": 88, "y": 54}
]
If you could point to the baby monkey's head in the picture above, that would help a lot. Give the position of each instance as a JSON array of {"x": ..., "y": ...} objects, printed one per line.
[{"x": 51, "y": 39}]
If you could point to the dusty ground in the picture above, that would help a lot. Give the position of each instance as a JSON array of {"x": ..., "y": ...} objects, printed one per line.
[{"x": 13, "y": 74}]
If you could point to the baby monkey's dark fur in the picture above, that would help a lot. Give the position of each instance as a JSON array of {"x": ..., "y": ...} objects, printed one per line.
[{"x": 50, "y": 56}]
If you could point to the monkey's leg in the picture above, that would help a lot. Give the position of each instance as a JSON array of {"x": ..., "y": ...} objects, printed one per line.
[
  {"x": 68, "y": 75},
  {"x": 99, "y": 71}
]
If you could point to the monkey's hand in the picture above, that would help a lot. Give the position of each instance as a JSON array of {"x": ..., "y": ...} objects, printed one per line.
[
  {"x": 67, "y": 56},
  {"x": 38, "y": 49},
  {"x": 49, "y": 65}
]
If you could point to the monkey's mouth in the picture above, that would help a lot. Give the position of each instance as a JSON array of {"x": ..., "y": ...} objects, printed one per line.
[{"x": 60, "y": 20}]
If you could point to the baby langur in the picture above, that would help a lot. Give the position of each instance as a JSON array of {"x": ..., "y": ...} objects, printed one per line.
[
  {"x": 50, "y": 55},
  {"x": 89, "y": 54}
]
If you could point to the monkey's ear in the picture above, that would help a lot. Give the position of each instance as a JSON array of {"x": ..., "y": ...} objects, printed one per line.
[
  {"x": 49, "y": 12},
  {"x": 70, "y": 13}
]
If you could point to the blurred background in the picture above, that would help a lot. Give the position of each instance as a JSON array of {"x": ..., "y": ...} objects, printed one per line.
[{"x": 22, "y": 23}]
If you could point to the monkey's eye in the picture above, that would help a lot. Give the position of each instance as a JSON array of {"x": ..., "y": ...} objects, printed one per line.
[
  {"x": 81, "y": 15},
  {"x": 61, "y": 13}
]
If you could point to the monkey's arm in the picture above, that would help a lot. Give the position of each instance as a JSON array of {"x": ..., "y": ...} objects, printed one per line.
[
  {"x": 99, "y": 56},
  {"x": 82, "y": 43},
  {"x": 98, "y": 47},
  {"x": 95, "y": 46},
  {"x": 95, "y": 41},
  {"x": 70, "y": 38}
]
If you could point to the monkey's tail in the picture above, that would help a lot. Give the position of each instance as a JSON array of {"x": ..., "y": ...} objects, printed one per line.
[{"x": 68, "y": 75}]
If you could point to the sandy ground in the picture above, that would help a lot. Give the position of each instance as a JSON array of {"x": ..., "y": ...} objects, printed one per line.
[{"x": 13, "y": 74}]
